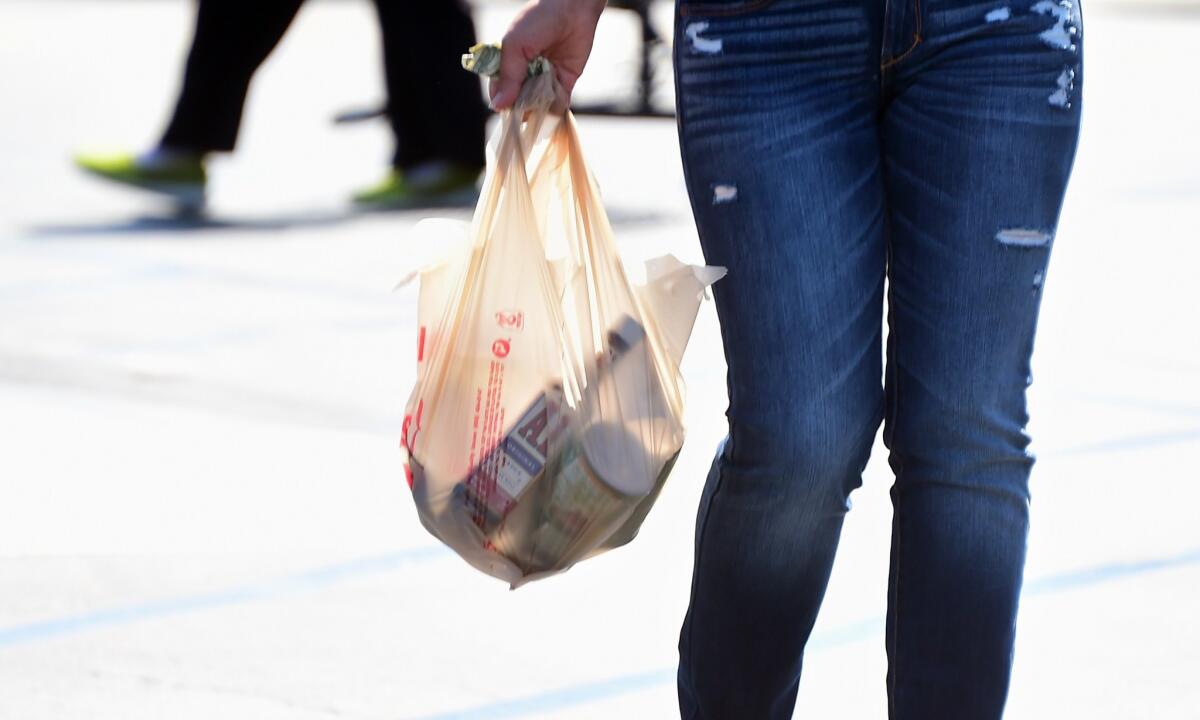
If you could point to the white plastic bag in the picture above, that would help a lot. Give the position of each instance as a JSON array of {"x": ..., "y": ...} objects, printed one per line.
[{"x": 548, "y": 405}]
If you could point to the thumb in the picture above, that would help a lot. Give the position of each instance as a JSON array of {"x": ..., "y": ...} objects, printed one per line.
[{"x": 513, "y": 68}]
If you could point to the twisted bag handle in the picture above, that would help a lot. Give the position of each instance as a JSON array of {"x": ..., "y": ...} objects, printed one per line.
[
  {"x": 520, "y": 125},
  {"x": 506, "y": 186}
]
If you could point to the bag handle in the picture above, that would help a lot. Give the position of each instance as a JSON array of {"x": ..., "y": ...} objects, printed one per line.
[{"x": 540, "y": 95}]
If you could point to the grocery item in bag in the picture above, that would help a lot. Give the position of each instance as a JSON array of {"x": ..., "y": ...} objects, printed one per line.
[{"x": 502, "y": 478}]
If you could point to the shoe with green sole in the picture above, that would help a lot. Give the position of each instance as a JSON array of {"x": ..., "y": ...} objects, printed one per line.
[
  {"x": 430, "y": 185},
  {"x": 180, "y": 176}
]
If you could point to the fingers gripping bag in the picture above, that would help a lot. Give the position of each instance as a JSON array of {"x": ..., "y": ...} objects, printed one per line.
[{"x": 548, "y": 406}]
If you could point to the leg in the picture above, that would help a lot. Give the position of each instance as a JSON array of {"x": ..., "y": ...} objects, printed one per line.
[
  {"x": 979, "y": 139},
  {"x": 777, "y": 113},
  {"x": 435, "y": 107},
  {"x": 232, "y": 39}
]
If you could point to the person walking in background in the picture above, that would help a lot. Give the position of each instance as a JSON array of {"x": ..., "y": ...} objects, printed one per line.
[
  {"x": 436, "y": 110},
  {"x": 827, "y": 147}
]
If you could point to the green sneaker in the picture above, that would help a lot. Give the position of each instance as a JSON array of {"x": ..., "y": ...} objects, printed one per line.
[
  {"x": 180, "y": 176},
  {"x": 436, "y": 184}
]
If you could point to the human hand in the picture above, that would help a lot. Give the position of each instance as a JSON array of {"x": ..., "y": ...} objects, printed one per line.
[{"x": 559, "y": 30}]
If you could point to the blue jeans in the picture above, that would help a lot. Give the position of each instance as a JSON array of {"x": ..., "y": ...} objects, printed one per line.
[{"x": 830, "y": 146}]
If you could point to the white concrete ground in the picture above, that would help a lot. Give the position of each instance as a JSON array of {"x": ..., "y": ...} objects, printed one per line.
[{"x": 202, "y": 508}]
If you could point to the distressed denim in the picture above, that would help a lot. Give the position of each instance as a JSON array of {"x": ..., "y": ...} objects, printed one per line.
[{"x": 832, "y": 149}]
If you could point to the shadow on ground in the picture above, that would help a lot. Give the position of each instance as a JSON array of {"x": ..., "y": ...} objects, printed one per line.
[
  {"x": 195, "y": 223},
  {"x": 189, "y": 223}
]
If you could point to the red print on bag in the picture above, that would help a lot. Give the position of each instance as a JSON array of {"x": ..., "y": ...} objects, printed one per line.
[
  {"x": 513, "y": 319},
  {"x": 500, "y": 348}
]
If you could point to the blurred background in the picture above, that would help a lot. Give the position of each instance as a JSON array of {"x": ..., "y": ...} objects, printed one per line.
[{"x": 202, "y": 503}]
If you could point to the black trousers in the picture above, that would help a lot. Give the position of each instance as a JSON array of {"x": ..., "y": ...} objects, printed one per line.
[{"x": 435, "y": 107}]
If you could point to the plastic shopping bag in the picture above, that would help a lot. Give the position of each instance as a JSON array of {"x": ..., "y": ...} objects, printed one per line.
[{"x": 548, "y": 405}]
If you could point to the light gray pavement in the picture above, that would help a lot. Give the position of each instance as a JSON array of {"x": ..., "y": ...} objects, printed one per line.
[{"x": 202, "y": 507}]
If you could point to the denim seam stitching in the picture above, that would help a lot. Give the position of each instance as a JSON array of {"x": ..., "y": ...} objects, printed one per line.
[
  {"x": 917, "y": 39},
  {"x": 679, "y": 122},
  {"x": 696, "y": 571},
  {"x": 894, "y": 608},
  {"x": 895, "y": 622}
]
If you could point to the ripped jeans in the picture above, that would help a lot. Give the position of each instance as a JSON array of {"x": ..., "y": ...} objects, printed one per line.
[{"x": 830, "y": 146}]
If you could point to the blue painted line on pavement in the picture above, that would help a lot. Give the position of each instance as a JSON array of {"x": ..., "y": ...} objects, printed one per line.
[
  {"x": 1137, "y": 403},
  {"x": 560, "y": 699},
  {"x": 264, "y": 590},
  {"x": 848, "y": 634},
  {"x": 554, "y": 700},
  {"x": 1136, "y": 442},
  {"x": 1105, "y": 573},
  {"x": 623, "y": 685}
]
